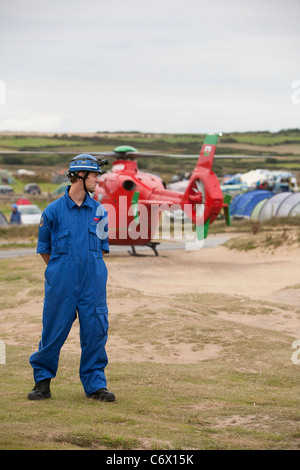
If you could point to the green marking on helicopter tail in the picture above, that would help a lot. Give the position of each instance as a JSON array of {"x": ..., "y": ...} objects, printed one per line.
[
  {"x": 202, "y": 230},
  {"x": 211, "y": 139},
  {"x": 124, "y": 149},
  {"x": 134, "y": 203}
]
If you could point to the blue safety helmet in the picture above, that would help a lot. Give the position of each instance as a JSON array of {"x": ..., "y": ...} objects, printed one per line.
[
  {"x": 87, "y": 163},
  {"x": 84, "y": 162}
]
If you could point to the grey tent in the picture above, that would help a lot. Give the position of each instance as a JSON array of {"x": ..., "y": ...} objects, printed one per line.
[{"x": 3, "y": 221}]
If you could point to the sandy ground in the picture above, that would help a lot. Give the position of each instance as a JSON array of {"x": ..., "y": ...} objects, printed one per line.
[
  {"x": 260, "y": 279},
  {"x": 151, "y": 299}
]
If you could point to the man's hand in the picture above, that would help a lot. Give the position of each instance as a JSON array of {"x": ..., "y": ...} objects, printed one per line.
[{"x": 46, "y": 257}]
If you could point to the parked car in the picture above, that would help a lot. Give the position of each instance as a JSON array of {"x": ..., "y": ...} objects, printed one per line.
[
  {"x": 30, "y": 214},
  {"x": 32, "y": 188},
  {"x": 4, "y": 189}
]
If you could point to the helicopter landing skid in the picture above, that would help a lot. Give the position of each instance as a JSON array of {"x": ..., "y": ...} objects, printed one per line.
[{"x": 151, "y": 245}]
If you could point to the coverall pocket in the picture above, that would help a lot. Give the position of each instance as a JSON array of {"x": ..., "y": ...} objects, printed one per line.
[
  {"x": 60, "y": 241},
  {"x": 101, "y": 321},
  {"x": 94, "y": 242}
]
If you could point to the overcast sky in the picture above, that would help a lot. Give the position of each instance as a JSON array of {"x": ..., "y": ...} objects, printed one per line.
[{"x": 152, "y": 66}]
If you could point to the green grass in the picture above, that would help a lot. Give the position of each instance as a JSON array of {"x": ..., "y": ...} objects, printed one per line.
[
  {"x": 141, "y": 139},
  {"x": 158, "y": 407},
  {"x": 268, "y": 138},
  {"x": 247, "y": 397},
  {"x": 18, "y": 233},
  {"x": 13, "y": 142},
  {"x": 180, "y": 144}
]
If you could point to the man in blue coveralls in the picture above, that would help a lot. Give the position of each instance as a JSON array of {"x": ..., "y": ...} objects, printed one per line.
[
  {"x": 73, "y": 238},
  {"x": 15, "y": 217}
]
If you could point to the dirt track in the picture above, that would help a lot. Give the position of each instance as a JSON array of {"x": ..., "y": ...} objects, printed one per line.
[
  {"x": 159, "y": 306},
  {"x": 213, "y": 278}
]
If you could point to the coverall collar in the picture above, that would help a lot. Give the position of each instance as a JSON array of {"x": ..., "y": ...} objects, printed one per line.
[{"x": 87, "y": 201}]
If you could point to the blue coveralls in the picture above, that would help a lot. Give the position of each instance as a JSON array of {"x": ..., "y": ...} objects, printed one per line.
[
  {"x": 75, "y": 280},
  {"x": 15, "y": 218}
]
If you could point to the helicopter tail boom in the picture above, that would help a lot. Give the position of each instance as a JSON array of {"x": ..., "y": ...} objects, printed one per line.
[
  {"x": 207, "y": 152},
  {"x": 204, "y": 187}
]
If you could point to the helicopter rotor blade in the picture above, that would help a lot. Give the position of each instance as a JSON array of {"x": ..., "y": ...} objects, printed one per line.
[
  {"x": 127, "y": 155},
  {"x": 134, "y": 155},
  {"x": 111, "y": 154},
  {"x": 37, "y": 152},
  {"x": 157, "y": 154}
]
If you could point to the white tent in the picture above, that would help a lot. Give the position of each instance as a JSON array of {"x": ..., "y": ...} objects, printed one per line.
[
  {"x": 252, "y": 177},
  {"x": 271, "y": 206},
  {"x": 288, "y": 205}
]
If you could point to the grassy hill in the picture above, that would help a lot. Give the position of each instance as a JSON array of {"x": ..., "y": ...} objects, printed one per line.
[{"x": 279, "y": 150}]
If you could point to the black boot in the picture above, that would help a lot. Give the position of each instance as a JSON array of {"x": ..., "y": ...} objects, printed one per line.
[
  {"x": 41, "y": 390},
  {"x": 102, "y": 395}
]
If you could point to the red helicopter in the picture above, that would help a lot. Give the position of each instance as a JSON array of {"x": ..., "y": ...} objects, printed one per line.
[{"x": 134, "y": 199}]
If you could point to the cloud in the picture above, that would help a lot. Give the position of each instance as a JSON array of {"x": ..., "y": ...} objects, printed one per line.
[
  {"x": 38, "y": 123},
  {"x": 149, "y": 65}
]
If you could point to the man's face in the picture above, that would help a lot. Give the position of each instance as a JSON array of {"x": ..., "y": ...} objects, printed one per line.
[{"x": 91, "y": 181}]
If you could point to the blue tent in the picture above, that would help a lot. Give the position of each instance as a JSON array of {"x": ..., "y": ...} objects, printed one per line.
[
  {"x": 235, "y": 202},
  {"x": 243, "y": 205}
]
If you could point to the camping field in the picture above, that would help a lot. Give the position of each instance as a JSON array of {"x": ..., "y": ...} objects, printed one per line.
[
  {"x": 276, "y": 150},
  {"x": 201, "y": 347}
]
